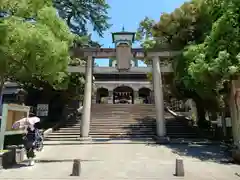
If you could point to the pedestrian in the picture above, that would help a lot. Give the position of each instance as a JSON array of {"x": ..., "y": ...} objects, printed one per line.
[
  {"x": 30, "y": 140},
  {"x": 33, "y": 139}
]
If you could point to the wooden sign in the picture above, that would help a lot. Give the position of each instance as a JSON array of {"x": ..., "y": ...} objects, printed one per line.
[{"x": 10, "y": 114}]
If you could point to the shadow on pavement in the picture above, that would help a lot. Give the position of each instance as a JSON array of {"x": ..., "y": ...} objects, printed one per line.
[
  {"x": 25, "y": 163},
  {"x": 61, "y": 160},
  {"x": 16, "y": 166},
  {"x": 214, "y": 153},
  {"x": 194, "y": 147}
]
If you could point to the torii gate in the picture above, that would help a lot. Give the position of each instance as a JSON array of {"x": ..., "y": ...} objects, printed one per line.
[
  {"x": 138, "y": 53},
  {"x": 124, "y": 53}
]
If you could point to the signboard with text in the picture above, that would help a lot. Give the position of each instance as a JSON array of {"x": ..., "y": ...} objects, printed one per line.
[{"x": 42, "y": 110}]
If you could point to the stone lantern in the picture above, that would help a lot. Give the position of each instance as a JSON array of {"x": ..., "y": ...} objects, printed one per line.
[{"x": 123, "y": 44}]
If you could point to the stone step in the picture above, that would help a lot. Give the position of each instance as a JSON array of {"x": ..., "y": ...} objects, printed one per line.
[
  {"x": 100, "y": 137},
  {"x": 126, "y": 127},
  {"x": 116, "y": 125},
  {"x": 62, "y": 139},
  {"x": 124, "y": 111},
  {"x": 76, "y": 137},
  {"x": 125, "y": 130},
  {"x": 122, "y": 136},
  {"x": 127, "y": 109},
  {"x": 129, "y": 113},
  {"x": 187, "y": 135},
  {"x": 127, "y": 124},
  {"x": 115, "y": 131},
  {"x": 123, "y": 126},
  {"x": 109, "y": 127},
  {"x": 123, "y": 121},
  {"x": 132, "y": 111},
  {"x": 121, "y": 118},
  {"x": 122, "y": 105},
  {"x": 170, "y": 120},
  {"x": 118, "y": 122},
  {"x": 149, "y": 140},
  {"x": 63, "y": 136},
  {"x": 136, "y": 111},
  {"x": 72, "y": 135},
  {"x": 117, "y": 116},
  {"x": 126, "y": 133}
]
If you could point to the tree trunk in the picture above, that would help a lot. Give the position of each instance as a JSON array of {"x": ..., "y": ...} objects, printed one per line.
[
  {"x": 1, "y": 85},
  {"x": 224, "y": 127},
  {"x": 201, "y": 112},
  {"x": 1, "y": 93}
]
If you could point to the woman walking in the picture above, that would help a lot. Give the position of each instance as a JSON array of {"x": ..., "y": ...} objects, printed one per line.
[{"x": 32, "y": 139}]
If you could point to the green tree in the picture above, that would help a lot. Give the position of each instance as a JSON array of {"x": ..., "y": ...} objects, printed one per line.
[
  {"x": 186, "y": 25},
  {"x": 215, "y": 60},
  {"x": 80, "y": 13},
  {"x": 207, "y": 31},
  {"x": 34, "y": 42}
]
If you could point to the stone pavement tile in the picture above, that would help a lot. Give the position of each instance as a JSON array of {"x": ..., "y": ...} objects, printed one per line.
[
  {"x": 119, "y": 161},
  {"x": 53, "y": 162}
]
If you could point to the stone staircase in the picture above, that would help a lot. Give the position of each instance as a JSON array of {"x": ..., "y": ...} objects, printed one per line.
[{"x": 123, "y": 121}]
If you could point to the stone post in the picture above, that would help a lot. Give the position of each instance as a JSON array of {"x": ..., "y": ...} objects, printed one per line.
[
  {"x": 85, "y": 122},
  {"x": 158, "y": 97}
]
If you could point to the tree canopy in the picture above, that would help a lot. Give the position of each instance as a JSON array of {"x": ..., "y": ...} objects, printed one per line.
[
  {"x": 216, "y": 59},
  {"x": 34, "y": 41},
  {"x": 35, "y": 37},
  {"x": 207, "y": 32},
  {"x": 79, "y": 14}
]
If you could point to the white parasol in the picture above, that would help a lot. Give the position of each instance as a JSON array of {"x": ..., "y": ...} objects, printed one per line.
[{"x": 29, "y": 121}]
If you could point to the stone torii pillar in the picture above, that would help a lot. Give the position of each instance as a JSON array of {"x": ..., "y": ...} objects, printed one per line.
[
  {"x": 85, "y": 122},
  {"x": 158, "y": 96}
]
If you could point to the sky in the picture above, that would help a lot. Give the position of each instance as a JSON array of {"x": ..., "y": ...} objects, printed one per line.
[{"x": 129, "y": 13}]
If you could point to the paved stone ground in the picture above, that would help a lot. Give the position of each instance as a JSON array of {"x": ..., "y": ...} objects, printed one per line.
[{"x": 127, "y": 161}]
